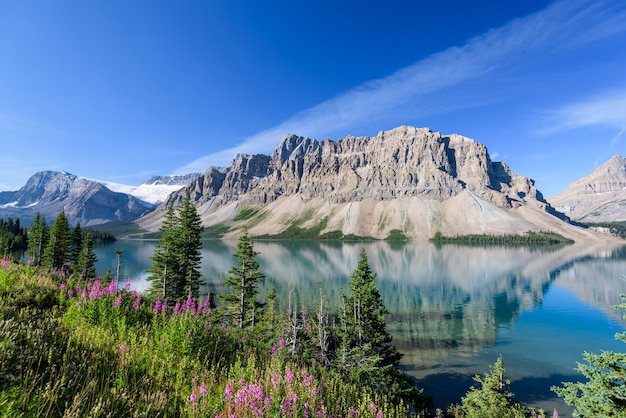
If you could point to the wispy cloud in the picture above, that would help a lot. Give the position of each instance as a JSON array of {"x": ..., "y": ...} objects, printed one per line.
[
  {"x": 564, "y": 24},
  {"x": 607, "y": 110}
]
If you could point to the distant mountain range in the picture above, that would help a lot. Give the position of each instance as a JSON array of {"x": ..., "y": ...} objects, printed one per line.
[
  {"x": 407, "y": 181},
  {"x": 89, "y": 202},
  {"x": 598, "y": 197}
]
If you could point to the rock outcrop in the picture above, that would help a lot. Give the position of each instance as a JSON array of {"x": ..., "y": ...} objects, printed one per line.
[
  {"x": 598, "y": 197},
  {"x": 409, "y": 179}
]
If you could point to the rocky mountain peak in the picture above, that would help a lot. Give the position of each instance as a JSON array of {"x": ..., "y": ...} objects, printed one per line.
[
  {"x": 293, "y": 147},
  {"x": 598, "y": 197},
  {"x": 407, "y": 178}
]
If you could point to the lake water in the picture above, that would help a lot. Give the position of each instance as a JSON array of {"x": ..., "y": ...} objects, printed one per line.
[{"x": 453, "y": 310}]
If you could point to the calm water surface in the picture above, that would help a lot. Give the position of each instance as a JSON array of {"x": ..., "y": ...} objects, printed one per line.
[{"x": 453, "y": 310}]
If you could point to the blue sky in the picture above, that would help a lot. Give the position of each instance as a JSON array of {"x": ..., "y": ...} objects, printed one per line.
[{"x": 123, "y": 90}]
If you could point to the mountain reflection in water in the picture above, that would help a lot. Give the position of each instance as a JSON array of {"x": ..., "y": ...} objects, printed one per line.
[{"x": 453, "y": 310}]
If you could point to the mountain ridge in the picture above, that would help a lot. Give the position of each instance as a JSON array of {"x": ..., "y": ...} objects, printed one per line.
[
  {"x": 408, "y": 179},
  {"x": 597, "y": 197}
]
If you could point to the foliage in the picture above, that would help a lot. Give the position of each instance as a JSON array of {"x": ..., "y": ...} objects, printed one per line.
[
  {"x": 13, "y": 237},
  {"x": 86, "y": 260},
  {"x": 493, "y": 399},
  {"x": 85, "y": 349},
  {"x": 528, "y": 239},
  {"x": 246, "y": 213},
  {"x": 38, "y": 236},
  {"x": 241, "y": 305},
  {"x": 616, "y": 228},
  {"x": 175, "y": 271},
  {"x": 604, "y": 392},
  {"x": 56, "y": 254},
  {"x": 396, "y": 235}
]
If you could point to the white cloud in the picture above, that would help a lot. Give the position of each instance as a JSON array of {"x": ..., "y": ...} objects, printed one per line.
[
  {"x": 564, "y": 24},
  {"x": 608, "y": 110}
]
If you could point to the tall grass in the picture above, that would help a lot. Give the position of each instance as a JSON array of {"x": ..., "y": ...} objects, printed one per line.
[{"x": 76, "y": 349}]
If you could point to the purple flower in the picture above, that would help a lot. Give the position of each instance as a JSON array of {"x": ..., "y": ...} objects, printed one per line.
[
  {"x": 379, "y": 414},
  {"x": 555, "y": 414},
  {"x": 203, "y": 390},
  {"x": 5, "y": 262},
  {"x": 193, "y": 398},
  {"x": 122, "y": 347}
]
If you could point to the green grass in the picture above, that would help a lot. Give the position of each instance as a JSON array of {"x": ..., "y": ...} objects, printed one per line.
[
  {"x": 111, "y": 353},
  {"x": 246, "y": 213},
  {"x": 215, "y": 231}
]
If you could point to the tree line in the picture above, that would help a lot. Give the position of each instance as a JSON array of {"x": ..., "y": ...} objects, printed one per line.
[
  {"x": 61, "y": 248},
  {"x": 13, "y": 236}
]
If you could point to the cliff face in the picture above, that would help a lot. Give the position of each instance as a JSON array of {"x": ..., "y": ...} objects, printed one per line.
[
  {"x": 410, "y": 179},
  {"x": 598, "y": 197}
]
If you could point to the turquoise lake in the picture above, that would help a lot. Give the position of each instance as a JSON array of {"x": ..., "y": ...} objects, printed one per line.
[{"x": 453, "y": 310}]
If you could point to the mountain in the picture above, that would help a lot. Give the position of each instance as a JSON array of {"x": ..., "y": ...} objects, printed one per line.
[
  {"x": 85, "y": 201},
  {"x": 598, "y": 197},
  {"x": 154, "y": 190},
  {"x": 407, "y": 179}
]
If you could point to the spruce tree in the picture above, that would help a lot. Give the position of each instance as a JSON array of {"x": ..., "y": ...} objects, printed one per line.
[
  {"x": 365, "y": 349},
  {"x": 86, "y": 263},
  {"x": 175, "y": 271},
  {"x": 38, "y": 235},
  {"x": 241, "y": 303},
  {"x": 190, "y": 228},
  {"x": 76, "y": 245},
  {"x": 165, "y": 260},
  {"x": 56, "y": 253},
  {"x": 603, "y": 394}
]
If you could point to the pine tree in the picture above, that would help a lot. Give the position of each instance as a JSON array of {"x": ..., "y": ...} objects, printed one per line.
[
  {"x": 493, "y": 399},
  {"x": 241, "y": 304},
  {"x": 165, "y": 261},
  {"x": 38, "y": 235},
  {"x": 365, "y": 316},
  {"x": 604, "y": 392},
  {"x": 365, "y": 352},
  {"x": 56, "y": 253},
  {"x": 190, "y": 228},
  {"x": 86, "y": 262},
  {"x": 76, "y": 245},
  {"x": 175, "y": 270}
]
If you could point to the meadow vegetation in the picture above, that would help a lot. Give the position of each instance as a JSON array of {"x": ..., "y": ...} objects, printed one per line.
[{"x": 76, "y": 345}]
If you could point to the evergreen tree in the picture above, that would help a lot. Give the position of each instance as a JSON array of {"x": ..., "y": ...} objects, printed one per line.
[
  {"x": 363, "y": 334},
  {"x": 86, "y": 263},
  {"x": 604, "y": 392},
  {"x": 56, "y": 253},
  {"x": 175, "y": 270},
  {"x": 241, "y": 303},
  {"x": 165, "y": 261},
  {"x": 76, "y": 245},
  {"x": 190, "y": 228},
  {"x": 38, "y": 235},
  {"x": 493, "y": 399}
]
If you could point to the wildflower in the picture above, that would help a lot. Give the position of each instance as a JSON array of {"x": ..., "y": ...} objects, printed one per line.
[
  {"x": 288, "y": 374},
  {"x": 63, "y": 286},
  {"x": 5, "y": 262},
  {"x": 379, "y": 414},
  {"x": 193, "y": 398},
  {"x": 162, "y": 340},
  {"x": 127, "y": 285},
  {"x": 372, "y": 406},
  {"x": 555, "y": 414},
  {"x": 122, "y": 347},
  {"x": 157, "y": 306},
  {"x": 203, "y": 390},
  {"x": 118, "y": 301},
  {"x": 533, "y": 413},
  {"x": 281, "y": 343},
  {"x": 188, "y": 333}
]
